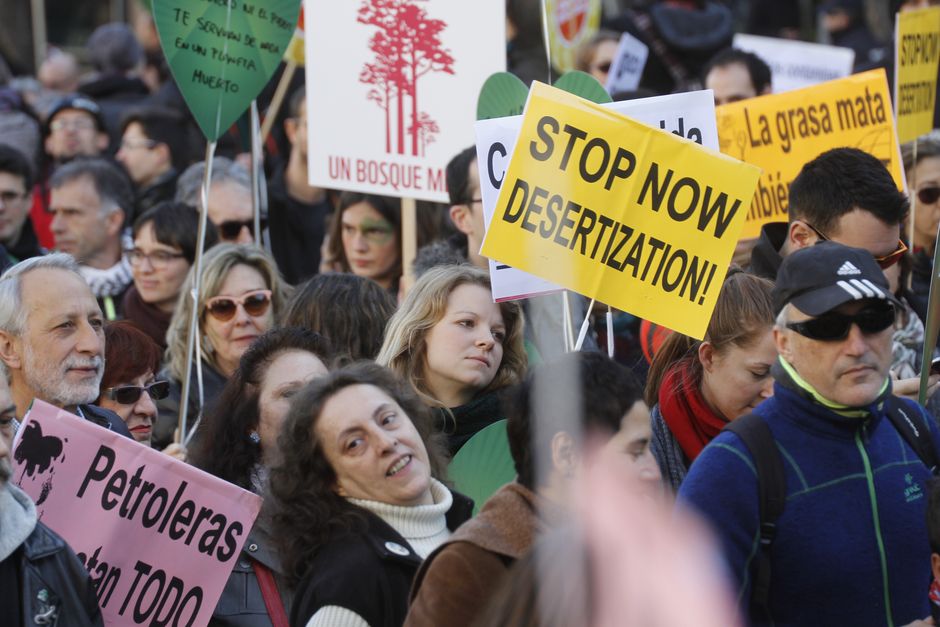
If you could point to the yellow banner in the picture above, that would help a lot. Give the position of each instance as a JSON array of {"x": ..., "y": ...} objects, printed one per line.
[
  {"x": 636, "y": 217},
  {"x": 916, "y": 56},
  {"x": 570, "y": 23},
  {"x": 781, "y": 132}
]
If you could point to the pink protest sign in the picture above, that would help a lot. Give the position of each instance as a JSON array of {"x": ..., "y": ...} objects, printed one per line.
[{"x": 158, "y": 537}]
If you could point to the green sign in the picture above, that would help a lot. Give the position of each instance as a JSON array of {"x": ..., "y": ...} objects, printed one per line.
[
  {"x": 503, "y": 94},
  {"x": 223, "y": 52},
  {"x": 483, "y": 465},
  {"x": 584, "y": 85}
]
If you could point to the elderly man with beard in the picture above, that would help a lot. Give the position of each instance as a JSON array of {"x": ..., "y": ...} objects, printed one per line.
[
  {"x": 52, "y": 338},
  {"x": 42, "y": 582}
]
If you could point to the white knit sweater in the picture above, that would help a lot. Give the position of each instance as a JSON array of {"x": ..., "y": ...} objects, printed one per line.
[{"x": 423, "y": 526}]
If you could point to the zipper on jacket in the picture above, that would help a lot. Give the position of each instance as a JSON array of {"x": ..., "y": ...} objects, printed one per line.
[{"x": 870, "y": 480}]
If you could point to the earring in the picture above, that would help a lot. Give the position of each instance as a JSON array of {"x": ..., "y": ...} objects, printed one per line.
[{"x": 254, "y": 436}]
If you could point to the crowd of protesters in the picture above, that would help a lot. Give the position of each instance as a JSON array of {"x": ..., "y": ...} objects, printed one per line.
[{"x": 336, "y": 379}]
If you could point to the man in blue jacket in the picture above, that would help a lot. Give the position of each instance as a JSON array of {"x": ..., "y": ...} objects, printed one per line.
[{"x": 851, "y": 544}]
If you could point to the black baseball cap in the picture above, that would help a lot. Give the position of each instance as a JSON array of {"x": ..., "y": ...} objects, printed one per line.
[
  {"x": 80, "y": 103},
  {"x": 819, "y": 278}
]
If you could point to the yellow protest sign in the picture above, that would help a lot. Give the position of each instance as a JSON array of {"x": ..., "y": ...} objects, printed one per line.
[
  {"x": 915, "y": 80},
  {"x": 635, "y": 217},
  {"x": 781, "y": 132},
  {"x": 569, "y": 23}
]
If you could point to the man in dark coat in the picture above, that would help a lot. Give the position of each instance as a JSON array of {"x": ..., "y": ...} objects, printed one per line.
[
  {"x": 52, "y": 338},
  {"x": 41, "y": 579}
]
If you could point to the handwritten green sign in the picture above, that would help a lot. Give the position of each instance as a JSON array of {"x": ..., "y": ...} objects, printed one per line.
[{"x": 223, "y": 52}]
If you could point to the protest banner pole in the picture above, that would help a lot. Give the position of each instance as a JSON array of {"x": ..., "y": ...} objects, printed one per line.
[
  {"x": 278, "y": 99},
  {"x": 255, "y": 175},
  {"x": 913, "y": 211},
  {"x": 409, "y": 239},
  {"x": 610, "y": 332},
  {"x": 38, "y": 17},
  {"x": 194, "y": 293},
  {"x": 932, "y": 326},
  {"x": 584, "y": 326}
]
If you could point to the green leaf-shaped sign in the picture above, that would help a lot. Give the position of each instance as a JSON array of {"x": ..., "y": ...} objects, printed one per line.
[
  {"x": 483, "y": 465},
  {"x": 502, "y": 94},
  {"x": 584, "y": 85},
  {"x": 223, "y": 52}
]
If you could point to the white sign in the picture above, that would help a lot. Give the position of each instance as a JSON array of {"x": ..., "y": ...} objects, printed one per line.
[
  {"x": 797, "y": 64},
  {"x": 628, "y": 64},
  {"x": 690, "y": 115},
  {"x": 392, "y": 89}
]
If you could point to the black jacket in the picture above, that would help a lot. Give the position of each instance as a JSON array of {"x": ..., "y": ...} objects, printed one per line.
[
  {"x": 242, "y": 603},
  {"x": 54, "y": 585},
  {"x": 367, "y": 572},
  {"x": 105, "y": 418},
  {"x": 765, "y": 258},
  {"x": 297, "y": 230}
]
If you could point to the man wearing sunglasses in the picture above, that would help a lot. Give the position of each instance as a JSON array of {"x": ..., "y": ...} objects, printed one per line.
[
  {"x": 850, "y": 547},
  {"x": 844, "y": 195}
]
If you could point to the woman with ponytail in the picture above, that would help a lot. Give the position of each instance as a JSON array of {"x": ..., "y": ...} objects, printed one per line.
[{"x": 696, "y": 387}]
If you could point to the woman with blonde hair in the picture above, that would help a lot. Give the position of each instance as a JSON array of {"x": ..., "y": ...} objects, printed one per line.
[
  {"x": 241, "y": 296},
  {"x": 456, "y": 348}
]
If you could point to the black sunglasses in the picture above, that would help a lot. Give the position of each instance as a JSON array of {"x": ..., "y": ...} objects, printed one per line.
[
  {"x": 129, "y": 394},
  {"x": 231, "y": 228},
  {"x": 928, "y": 195},
  {"x": 832, "y": 326}
]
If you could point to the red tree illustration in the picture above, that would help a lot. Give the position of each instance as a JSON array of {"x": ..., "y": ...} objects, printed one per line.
[
  {"x": 407, "y": 46},
  {"x": 426, "y": 130}
]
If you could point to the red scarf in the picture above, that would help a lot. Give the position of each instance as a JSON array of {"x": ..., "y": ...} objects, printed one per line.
[{"x": 693, "y": 423}]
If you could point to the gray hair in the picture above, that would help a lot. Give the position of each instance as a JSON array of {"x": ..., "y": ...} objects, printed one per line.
[
  {"x": 782, "y": 318},
  {"x": 927, "y": 146},
  {"x": 223, "y": 170},
  {"x": 113, "y": 49},
  {"x": 111, "y": 184},
  {"x": 12, "y": 312}
]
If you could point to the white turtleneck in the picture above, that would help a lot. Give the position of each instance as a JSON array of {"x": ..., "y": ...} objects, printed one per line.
[{"x": 423, "y": 526}]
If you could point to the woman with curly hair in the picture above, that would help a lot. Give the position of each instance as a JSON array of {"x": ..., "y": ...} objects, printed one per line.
[
  {"x": 237, "y": 442},
  {"x": 457, "y": 348},
  {"x": 356, "y": 505}
]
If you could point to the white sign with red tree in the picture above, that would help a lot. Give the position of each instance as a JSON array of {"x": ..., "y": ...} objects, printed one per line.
[{"x": 392, "y": 88}]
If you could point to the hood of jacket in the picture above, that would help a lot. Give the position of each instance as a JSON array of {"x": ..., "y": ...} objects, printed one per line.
[{"x": 17, "y": 519}]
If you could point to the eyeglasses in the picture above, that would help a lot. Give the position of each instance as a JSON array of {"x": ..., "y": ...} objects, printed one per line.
[
  {"x": 223, "y": 308},
  {"x": 8, "y": 197},
  {"x": 134, "y": 144},
  {"x": 80, "y": 124},
  {"x": 884, "y": 262},
  {"x": 130, "y": 394},
  {"x": 230, "y": 229},
  {"x": 833, "y": 325},
  {"x": 158, "y": 259},
  {"x": 928, "y": 195}
]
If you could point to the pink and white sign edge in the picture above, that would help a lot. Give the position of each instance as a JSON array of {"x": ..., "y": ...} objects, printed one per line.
[
  {"x": 159, "y": 537},
  {"x": 386, "y": 108}
]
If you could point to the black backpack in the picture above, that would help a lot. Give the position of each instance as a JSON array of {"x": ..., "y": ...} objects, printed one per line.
[{"x": 772, "y": 488}]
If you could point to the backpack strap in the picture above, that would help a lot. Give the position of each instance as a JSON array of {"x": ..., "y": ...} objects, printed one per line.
[
  {"x": 772, "y": 497},
  {"x": 912, "y": 427}
]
